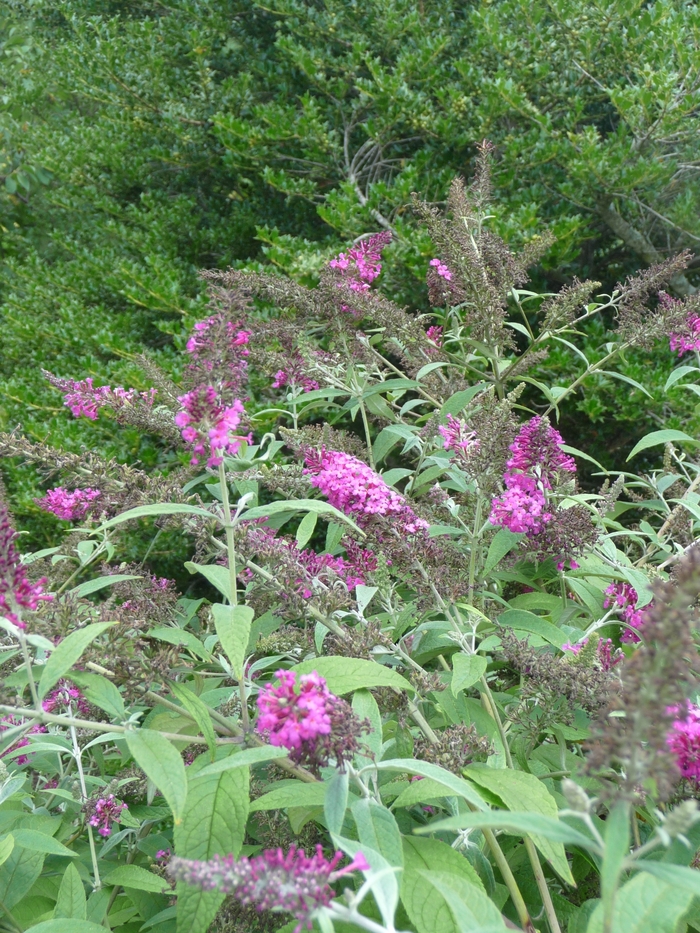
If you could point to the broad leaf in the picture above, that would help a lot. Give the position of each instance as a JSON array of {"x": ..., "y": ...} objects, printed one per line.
[
  {"x": 343, "y": 675},
  {"x": 503, "y": 542},
  {"x": 71, "y": 901},
  {"x": 518, "y": 823},
  {"x": 217, "y": 575},
  {"x": 376, "y": 827},
  {"x": 667, "y": 436},
  {"x": 336, "y": 801},
  {"x": 198, "y": 710},
  {"x": 244, "y": 758},
  {"x": 291, "y": 795},
  {"x": 525, "y": 793},
  {"x": 65, "y": 925},
  {"x": 162, "y": 763},
  {"x": 164, "y": 508},
  {"x": 301, "y": 505},
  {"x": 455, "y": 786},
  {"x": 18, "y": 873},
  {"x": 99, "y": 583},
  {"x": 133, "y": 876},
  {"x": 41, "y": 842},
  {"x": 644, "y": 905},
  {"x": 213, "y": 824},
  {"x": 233, "y": 628},
  {"x": 67, "y": 654},
  {"x": 442, "y": 902},
  {"x": 466, "y": 670}
]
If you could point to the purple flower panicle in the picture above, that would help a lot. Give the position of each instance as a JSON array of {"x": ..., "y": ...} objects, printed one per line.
[
  {"x": 684, "y": 742},
  {"x": 441, "y": 269},
  {"x": 624, "y": 597},
  {"x": 10, "y": 722},
  {"x": 16, "y": 590},
  {"x": 71, "y": 506},
  {"x": 457, "y": 436},
  {"x": 291, "y": 882},
  {"x": 105, "y": 811},
  {"x": 354, "y": 488},
  {"x": 295, "y": 718},
  {"x": 84, "y": 398},
  {"x": 209, "y": 427},
  {"x": 536, "y": 459},
  {"x": 65, "y": 696},
  {"x": 361, "y": 265},
  {"x": 687, "y": 338}
]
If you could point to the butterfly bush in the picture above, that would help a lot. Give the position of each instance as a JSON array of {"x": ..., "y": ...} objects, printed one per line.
[
  {"x": 291, "y": 882},
  {"x": 357, "y": 490},
  {"x": 402, "y": 537},
  {"x": 70, "y": 506}
]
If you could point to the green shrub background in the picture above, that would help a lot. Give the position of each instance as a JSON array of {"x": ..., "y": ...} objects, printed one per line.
[{"x": 142, "y": 141}]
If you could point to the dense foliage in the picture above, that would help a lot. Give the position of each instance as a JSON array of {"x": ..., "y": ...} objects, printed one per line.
[
  {"x": 142, "y": 141},
  {"x": 434, "y": 685}
]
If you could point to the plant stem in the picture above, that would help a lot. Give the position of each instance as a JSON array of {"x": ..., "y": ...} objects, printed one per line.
[
  {"x": 591, "y": 369},
  {"x": 542, "y": 886},
  {"x": 230, "y": 542},
  {"x": 508, "y": 878},
  {"x": 368, "y": 436},
  {"x": 473, "y": 548},
  {"x": 77, "y": 755},
  {"x": 233, "y": 582},
  {"x": 10, "y": 916},
  {"x": 30, "y": 673}
]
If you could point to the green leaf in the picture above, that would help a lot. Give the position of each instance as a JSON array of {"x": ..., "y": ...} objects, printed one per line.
[
  {"x": 217, "y": 575},
  {"x": 164, "y": 508},
  {"x": 518, "y": 823},
  {"x": 161, "y": 762},
  {"x": 41, "y": 842},
  {"x": 442, "y": 902},
  {"x": 343, "y": 675},
  {"x": 291, "y": 795},
  {"x": 66, "y": 925},
  {"x": 213, "y": 824},
  {"x": 466, "y": 670},
  {"x": 198, "y": 710},
  {"x": 18, "y": 873},
  {"x": 132, "y": 876},
  {"x": 233, "y": 628},
  {"x": 420, "y": 792},
  {"x": 455, "y": 403},
  {"x": 617, "y": 844},
  {"x": 101, "y": 692},
  {"x": 678, "y": 374},
  {"x": 336, "y": 801},
  {"x": 71, "y": 901},
  {"x": 455, "y": 786},
  {"x": 623, "y": 378},
  {"x": 678, "y": 875},
  {"x": 503, "y": 542},
  {"x": 7, "y": 844},
  {"x": 245, "y": 758},
  {"x": 668, "y": 435},
  {"x": 306, "y": 528},
  {"x": 525, "y": 793},
  {"x": 300, "y": 505},
  {"x": 523, "y": 621},
  {"x": 644, "y": 905},
  {"x": 376, "y": 827},
  {"x": 99, "y": 583},
  {"x": 365, "y": 707},
  {"x": 432, "y": 854},
  {"x": 178, "y": 636},
  {"x": 67, "y": 654}
]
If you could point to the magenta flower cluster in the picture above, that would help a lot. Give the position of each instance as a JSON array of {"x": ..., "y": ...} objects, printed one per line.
[
  {"x": 457, "y": 436},
  {"x": 624, "y": 597},
  {"x": 10, "y": 722},
  {"x": 16, "y": 590},
  {"x": 71, "y": 506},
  {"x": 362, "y": 263},
  {"x": 209, "y": 427},
  {"x": 295, "y": 718},
  {"x": 289, "y": 377},
  {"x": 201, "y": 344},
  {"x": 104, "y": 812},
  {"x": 66, "y": 697},
  {"x": 686, "y": 339},
  {"x": 291, "y": 882},
  {"x": 608, "y": 655},
  {"x": 684, "y": 741},
  {"x": 434, "y": 335},
  {"x": 536, "y": 458},
  {"x": 355, "y": 489},
  {"x": 441, "y": 269},
  {"x": 348, "y": 570},
  {"x": 84, "y": 398}
]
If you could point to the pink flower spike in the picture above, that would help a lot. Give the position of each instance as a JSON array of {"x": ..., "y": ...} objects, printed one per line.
[{"x": 70, "y": 506}]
